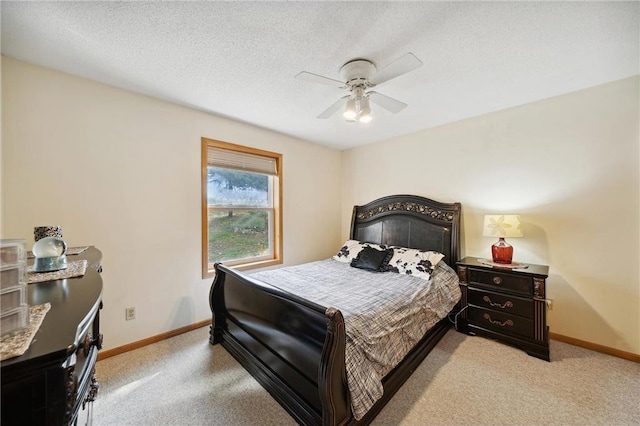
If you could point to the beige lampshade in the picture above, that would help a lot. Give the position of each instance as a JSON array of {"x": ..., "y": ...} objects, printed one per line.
[{"x": 502, "y": 225}]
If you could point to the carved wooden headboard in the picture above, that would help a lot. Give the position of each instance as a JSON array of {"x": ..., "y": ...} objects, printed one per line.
[{"x": 410, "y": 221}]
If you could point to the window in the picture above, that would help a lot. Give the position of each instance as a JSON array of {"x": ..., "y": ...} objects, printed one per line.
[{"x": 241, "y": 206}]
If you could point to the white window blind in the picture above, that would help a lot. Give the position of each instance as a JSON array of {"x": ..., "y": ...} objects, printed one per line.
[{"x": 220, "y": 157}]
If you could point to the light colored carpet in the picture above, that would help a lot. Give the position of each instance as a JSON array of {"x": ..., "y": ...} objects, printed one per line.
[{"x": 465, "y": 380}]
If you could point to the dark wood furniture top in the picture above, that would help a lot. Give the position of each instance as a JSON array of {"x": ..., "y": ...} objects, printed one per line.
[
  {"x": 295, "y": 348},
  {"x": 505, "y": 304},
  {"x": 49, "y": 383}
]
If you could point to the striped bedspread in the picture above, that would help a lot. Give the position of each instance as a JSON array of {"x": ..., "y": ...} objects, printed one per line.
[{"x": 385, "y": 314}]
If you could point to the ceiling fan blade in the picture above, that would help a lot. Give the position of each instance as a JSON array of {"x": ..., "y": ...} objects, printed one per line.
[
  {"x": 386, "y": 102},
  {"x": 402, "y": 65},
  {"x": 315, "y": 78},
  {"x": 333, "y": 108}
]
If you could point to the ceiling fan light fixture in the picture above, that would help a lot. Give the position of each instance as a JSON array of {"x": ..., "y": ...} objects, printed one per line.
[
  {"x": 365, "y": 111},
  {"x": 350, "y": 111},
  {"x": 364, "y": 118},
  {"x": 357, "y": 77}
]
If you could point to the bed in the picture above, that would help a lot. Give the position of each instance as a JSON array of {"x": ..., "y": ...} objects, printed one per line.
[{"x": 295, "y": 348}]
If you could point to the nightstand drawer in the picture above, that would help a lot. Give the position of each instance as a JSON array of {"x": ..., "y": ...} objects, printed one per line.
[
  {"x": 501, "y": 281},
  {"x": 501, "y": 322},
  {"x": 501, "y": 302}
]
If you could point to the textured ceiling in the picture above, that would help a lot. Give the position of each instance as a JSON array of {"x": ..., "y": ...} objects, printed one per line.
[{"x": 239, "y": 59}]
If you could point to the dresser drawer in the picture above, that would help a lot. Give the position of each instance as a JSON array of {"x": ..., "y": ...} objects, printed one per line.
[
  {"x": 86, "y": 381},
  {"x": 82, "y": 363},
  {"x": 501, "y": 322},
  {"x": 501, "y": 302},
  {"x": 501, "y": 281}
]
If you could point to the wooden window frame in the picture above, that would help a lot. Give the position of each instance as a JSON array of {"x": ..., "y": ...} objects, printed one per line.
[{"x": 207, "y": 268}]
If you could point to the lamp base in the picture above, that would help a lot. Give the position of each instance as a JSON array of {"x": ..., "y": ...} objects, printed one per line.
[{"x": 502, "y": 252}]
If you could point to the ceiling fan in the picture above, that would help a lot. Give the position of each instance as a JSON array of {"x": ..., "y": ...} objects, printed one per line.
[{"x": 358, "y": 76}]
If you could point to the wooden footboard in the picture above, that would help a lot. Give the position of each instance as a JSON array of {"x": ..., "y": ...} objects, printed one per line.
[{"x": 294, "y": 348}]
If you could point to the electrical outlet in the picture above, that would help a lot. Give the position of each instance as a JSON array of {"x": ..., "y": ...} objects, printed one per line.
[
  {"x": 130, "y": 313},
  {"x": 549, "y": 303}
]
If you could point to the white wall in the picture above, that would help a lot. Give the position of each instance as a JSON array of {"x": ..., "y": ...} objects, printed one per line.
[
  {"x": 568, "y": 165},
  {"x": 121, "y": 171}
]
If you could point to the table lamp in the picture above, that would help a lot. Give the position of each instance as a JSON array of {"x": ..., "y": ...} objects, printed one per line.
[{"x": 502, "y": 226}]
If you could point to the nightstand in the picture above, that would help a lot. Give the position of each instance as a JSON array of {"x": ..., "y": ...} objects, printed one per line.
[{"x": 505, "y": 304}]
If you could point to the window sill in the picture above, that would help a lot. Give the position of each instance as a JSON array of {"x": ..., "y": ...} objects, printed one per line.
[
  {"x": 245, "y": 266},
  {"x": 256, "y": 265}
]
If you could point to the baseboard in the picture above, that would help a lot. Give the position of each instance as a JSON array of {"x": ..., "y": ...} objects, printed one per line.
[
  {"x": 153, "y": 339},
  {"x": 554, "y": 336},
  {"x": 595, "y": 347}
]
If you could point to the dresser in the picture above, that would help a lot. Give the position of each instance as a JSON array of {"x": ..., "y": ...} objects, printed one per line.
[
  {"x": 505, "y": 304},
  {"x": 54, "y": 382}
]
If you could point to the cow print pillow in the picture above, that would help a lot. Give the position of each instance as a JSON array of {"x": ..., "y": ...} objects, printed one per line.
[
  {"x": 414, "y": 262},
  {"x": 351, "y": 248}
]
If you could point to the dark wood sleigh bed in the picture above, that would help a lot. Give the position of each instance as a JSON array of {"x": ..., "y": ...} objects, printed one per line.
[{"x": 295, "y": 348}]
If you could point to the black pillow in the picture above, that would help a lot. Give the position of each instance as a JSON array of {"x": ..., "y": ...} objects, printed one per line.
[{"x": 372, "y": 259}]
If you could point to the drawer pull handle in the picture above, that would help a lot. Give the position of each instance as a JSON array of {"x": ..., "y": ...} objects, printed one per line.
[
  {"x": 497, "y": 280},
  {"x": 507, "y": 304},
  {"x": 89, "y": 341},
  {"x": 86, "y": 344},
  {"x": 501, "y": 324}
]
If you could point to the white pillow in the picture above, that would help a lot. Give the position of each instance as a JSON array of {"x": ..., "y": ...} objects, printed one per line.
[
  {"x": 418, "y": 263},
  {"x": 351, "y": 248}
]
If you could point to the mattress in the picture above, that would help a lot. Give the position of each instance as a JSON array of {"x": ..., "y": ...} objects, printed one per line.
[{"x": 386, "y": 314}]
